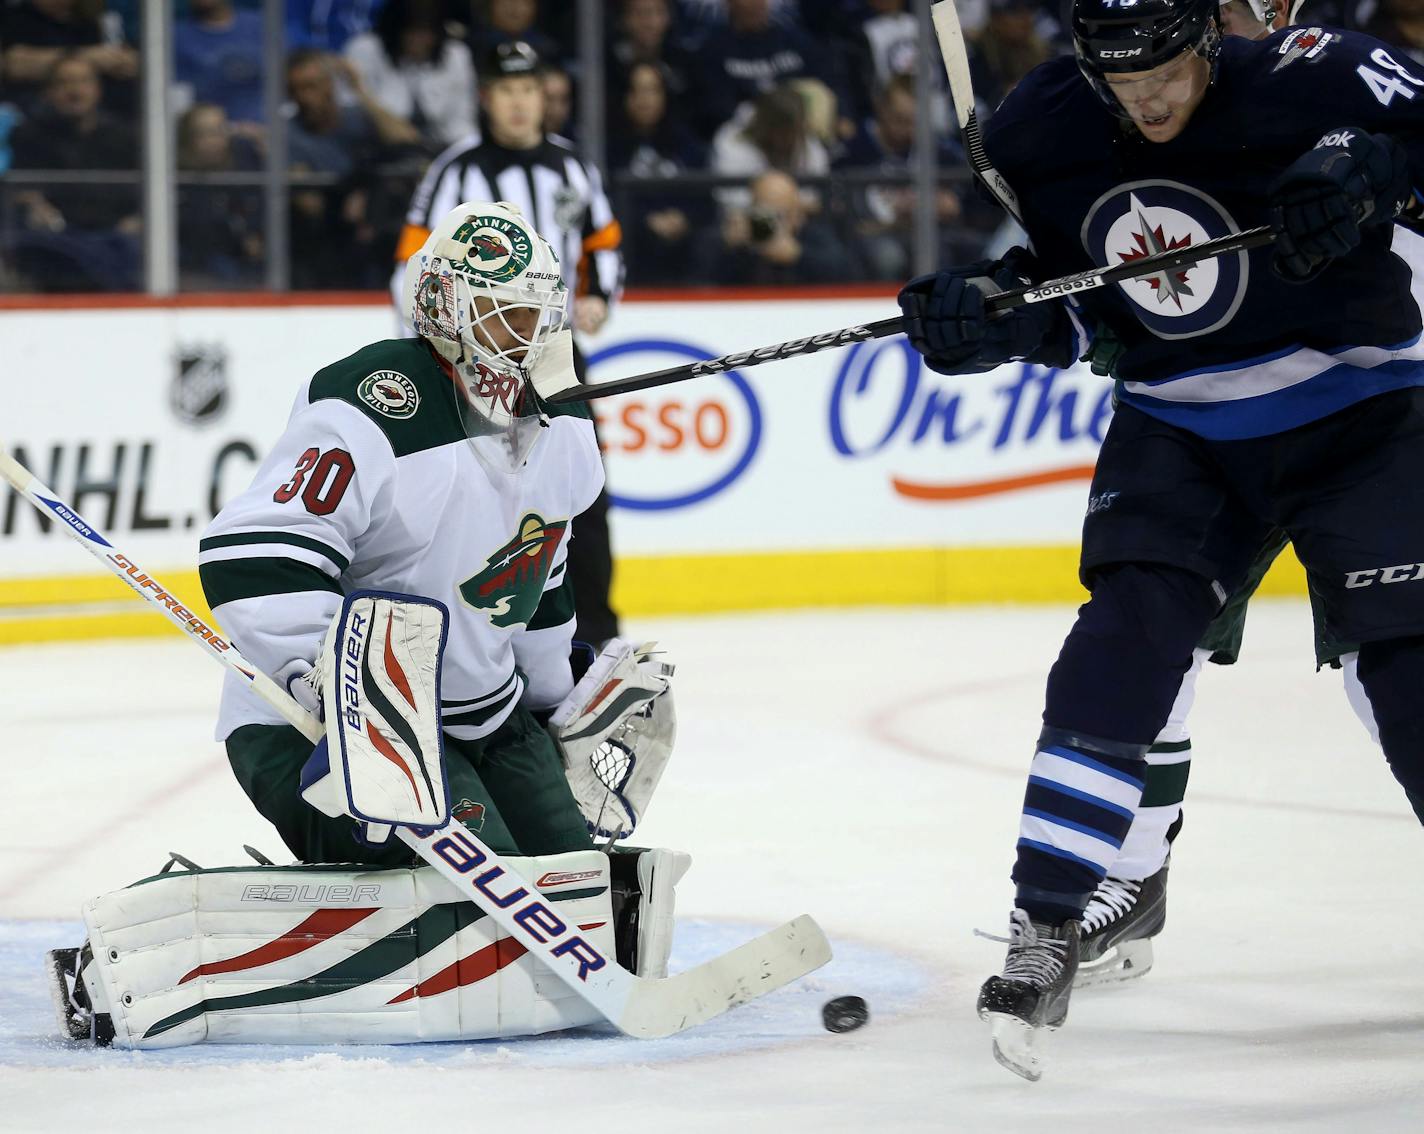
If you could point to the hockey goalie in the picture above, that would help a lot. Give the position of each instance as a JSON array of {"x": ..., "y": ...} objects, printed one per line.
[{"x": 399, "y": 565}]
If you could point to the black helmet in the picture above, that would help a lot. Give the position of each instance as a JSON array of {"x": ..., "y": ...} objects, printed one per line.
[
  {"x": 509, "y": 59},
  {"x": 1120, "y": 35}
]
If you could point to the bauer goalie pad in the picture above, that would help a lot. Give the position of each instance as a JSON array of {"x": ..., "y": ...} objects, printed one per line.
[
  {"x": 616, "y": 732},
  {"x": 380, "y": 682},
  {"x": 328, "y": 954}
]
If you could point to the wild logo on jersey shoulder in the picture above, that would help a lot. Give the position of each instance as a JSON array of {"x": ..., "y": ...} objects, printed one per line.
[
  {"x": 498, "y": 249},
  {"x": 513, "y": 580},
  {"x": 390, "y": 393},
  {"x": 1303, "y": 43}
]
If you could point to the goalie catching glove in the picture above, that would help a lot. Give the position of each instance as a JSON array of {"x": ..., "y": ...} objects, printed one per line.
[{"x": 615, "y": 732}]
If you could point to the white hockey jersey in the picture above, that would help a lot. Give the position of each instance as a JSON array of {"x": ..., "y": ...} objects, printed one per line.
[{"x": 375, "y": 485}]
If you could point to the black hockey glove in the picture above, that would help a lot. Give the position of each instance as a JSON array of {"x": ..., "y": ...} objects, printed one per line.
[
  {"x": 1350, "y": 181},
  {"x": 945, "y": 320}
]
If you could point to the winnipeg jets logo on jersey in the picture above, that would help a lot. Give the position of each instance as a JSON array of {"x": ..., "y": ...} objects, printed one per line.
[
  {"x": 512, "y": 583},
  {"x": 1146, "y": 218}
]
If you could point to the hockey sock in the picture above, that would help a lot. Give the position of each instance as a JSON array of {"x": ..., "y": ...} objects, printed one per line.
[
  {"x": 1144, "y": 851},
  {"x": 1079, "y": 803},
  {"x": 1169, "y": 763}
]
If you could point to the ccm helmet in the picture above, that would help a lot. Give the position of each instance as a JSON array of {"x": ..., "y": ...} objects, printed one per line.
[{"x": 1120, "y": 36}]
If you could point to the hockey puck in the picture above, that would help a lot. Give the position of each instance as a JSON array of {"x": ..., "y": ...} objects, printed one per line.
[{"x": 844, "y": 1014}]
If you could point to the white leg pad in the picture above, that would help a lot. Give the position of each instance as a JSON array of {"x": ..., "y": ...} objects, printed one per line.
[
  {"x": 332, "y": 955},
  {"x": 659, "y": 872}
]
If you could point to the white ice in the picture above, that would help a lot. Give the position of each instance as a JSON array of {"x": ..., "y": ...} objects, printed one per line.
[{"x": 862, "y": 766}]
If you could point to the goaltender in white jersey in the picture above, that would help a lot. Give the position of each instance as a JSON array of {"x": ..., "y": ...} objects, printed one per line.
[{"x": 419, "y": 468}]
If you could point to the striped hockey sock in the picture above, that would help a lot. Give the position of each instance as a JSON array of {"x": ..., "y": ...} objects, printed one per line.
[{"x": 1078, "y": 805}]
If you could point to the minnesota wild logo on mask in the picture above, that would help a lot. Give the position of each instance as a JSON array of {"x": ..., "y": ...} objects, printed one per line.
[
  {"x": 497, "y": 249},
  {"x": 512, "y": 582}
]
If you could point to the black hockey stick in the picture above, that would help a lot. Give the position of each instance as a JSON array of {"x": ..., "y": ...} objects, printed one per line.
[{"x": 1231, "y": 243}]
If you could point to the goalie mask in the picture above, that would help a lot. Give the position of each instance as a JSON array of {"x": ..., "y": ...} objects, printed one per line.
[{"x": 485, "y": 290}]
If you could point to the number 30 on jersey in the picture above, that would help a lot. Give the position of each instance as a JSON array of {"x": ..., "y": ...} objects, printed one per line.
[{"x": 321, "y": 478}]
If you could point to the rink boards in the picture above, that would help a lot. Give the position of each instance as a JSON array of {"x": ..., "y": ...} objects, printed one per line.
[{"x": 844, "y": 478}]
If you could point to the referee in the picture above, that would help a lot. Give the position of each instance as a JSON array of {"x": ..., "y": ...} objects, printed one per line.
[{"x": 541, "y": 174}]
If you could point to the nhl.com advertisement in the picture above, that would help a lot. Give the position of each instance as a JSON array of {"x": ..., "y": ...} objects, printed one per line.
[{"x": 149, "y": 419}]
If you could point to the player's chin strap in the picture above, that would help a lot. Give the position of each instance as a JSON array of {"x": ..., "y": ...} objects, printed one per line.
[{"x": 637, "y": 1006}]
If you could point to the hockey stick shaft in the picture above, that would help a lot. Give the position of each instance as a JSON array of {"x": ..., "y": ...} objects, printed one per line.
[
  {"x": 1231, "y": 243},
  {"x": 637, "y": 1006},
  {"x": 956, "y": 68}
]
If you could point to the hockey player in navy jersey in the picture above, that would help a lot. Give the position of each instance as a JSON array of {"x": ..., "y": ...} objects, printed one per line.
[
  {"x": 1279, "y": 388},
  {"x": 1129, "y": 907}
]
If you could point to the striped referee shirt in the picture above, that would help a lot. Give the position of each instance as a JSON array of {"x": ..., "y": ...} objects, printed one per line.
[{"x": 562, "y": 197}]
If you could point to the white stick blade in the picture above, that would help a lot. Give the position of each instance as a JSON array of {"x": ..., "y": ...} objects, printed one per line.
[{"x": 764, "y": 964}]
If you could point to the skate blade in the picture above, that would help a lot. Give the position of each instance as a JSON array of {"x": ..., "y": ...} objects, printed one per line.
[
  {"x": 1017, "y": 1045},
  {"x": 1127, "y": 961}
]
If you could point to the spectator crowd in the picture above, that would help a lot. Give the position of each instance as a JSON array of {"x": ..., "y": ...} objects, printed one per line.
[{"x": 748, "y": 142}]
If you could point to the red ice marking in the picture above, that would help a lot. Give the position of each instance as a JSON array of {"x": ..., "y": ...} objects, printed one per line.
[
  {"x": 393, "y": 666},
  {"x": 383, "y": 746},
  {"x": 474, "y": 968},
  {"x": 319, "y": 927}
]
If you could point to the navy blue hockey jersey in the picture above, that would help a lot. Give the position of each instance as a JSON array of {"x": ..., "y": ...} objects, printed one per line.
[{"x": 1225, "y": 348}]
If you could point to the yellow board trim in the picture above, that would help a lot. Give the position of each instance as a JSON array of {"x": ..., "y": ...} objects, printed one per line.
[{"x": 63, "y": 609}]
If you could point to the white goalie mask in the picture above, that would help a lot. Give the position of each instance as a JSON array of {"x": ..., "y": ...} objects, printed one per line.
[{"x": 485, "y": 290}]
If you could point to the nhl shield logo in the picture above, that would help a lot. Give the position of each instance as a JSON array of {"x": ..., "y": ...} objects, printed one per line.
[
  {"x": 389, "y": 393},
  {"x": 198, "y": 394},
  {"x": 512, "y": 583},
  {"x": 569, "y": 208}
]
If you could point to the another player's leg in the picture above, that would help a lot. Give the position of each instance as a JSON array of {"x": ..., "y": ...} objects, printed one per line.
[
  {"x": 1129, "y": 907},
  {"x": 1391, "y": 673},
  {"x": 1109, "y": 695}
]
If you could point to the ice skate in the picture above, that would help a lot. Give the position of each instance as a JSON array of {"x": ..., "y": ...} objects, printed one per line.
[
  {"x": 1119, "y": 923},
  {"x": 1030, "y": 997}
]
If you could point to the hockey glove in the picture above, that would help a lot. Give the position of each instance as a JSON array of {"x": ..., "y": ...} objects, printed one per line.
[
  {"x": 1350, "y": 181},
  {"x": 945, "y": 319}
]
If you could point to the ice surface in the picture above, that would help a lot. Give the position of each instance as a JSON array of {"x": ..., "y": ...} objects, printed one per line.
[{"x": 862, "y": 766}]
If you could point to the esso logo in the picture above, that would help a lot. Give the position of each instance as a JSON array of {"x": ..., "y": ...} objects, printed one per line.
[{"x": 677, "y": 445}]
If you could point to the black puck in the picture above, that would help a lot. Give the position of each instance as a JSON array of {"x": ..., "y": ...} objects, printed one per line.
[{"x": 844, "y": 1014}]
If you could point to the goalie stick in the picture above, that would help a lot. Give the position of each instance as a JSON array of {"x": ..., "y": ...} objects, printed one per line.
[
  {"x": 1229, "y": 244},
  {"x": 642, "y": 1007}
]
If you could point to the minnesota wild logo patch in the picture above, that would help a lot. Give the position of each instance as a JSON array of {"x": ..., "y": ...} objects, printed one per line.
[
  {"x": 497, "y": 249},
  {"x": 390, "y": 393},
  {"x": 512, "y": 583},
  {"x": 471, "y": 814}
]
